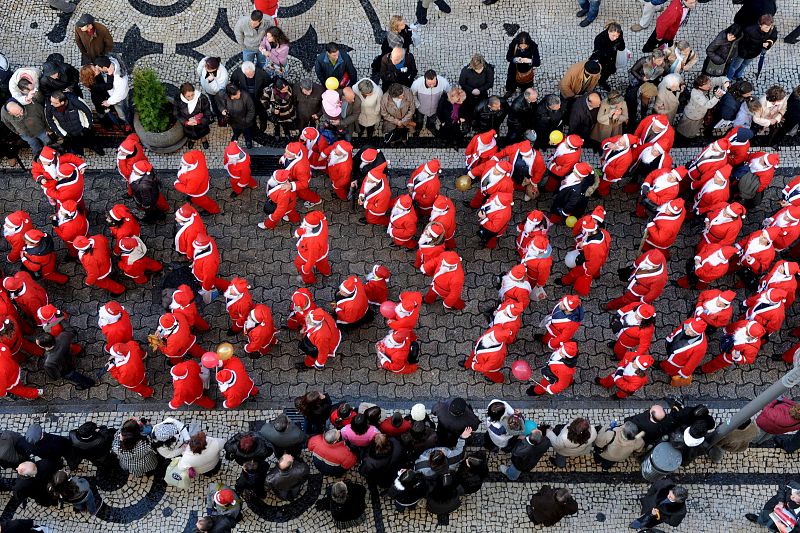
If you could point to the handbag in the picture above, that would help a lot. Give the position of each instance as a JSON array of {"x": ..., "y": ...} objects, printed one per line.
[
  {"x": 523, "y": 78},
  {"x": 623, "y": 56},
  {"x": 177, "y": 477}
]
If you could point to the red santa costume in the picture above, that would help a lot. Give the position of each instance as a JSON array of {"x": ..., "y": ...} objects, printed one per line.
[
  {"x": 205, "y": 265},
  {"x": 646, "y": 282},
  {"x": 527, "y": 165},
  {"x": 563, "y": 160},
  {"x": 495, "y": 178},
  {"x": 654, "y": 129},
  {"x": 744, "y": 338},
  {"x": 45, "y": 168},
  {"x": 659, "y": 187},
  {"x": 238, "y": 302},
  {"x": 424, "y": 185},
  {"x": 69, "y": 223},
  {"x": 448, "y": 281},
  {"x": 39, "y": 257},
  {"x": 713, "y": 194},
  {"x": 536, "y": 223},
  {"x": 763, "y": 165},
  {"x": 430, "y": 247},
  {"x": 661, "y": 232},
  {"x": 28, "y": 295},
  {"x": 15, "y": 226},
  {"x": 710, "y": 263},
  {"x": 315, "y": 144},
  {"x": 122, "y": 224},
  {"x": 312, "y": 247},
  {"x": 790, "y": 195},
  {"x": 594, "y": 246},
  {"x": 713, "y": 158},
  {"x": 787, "y": 220},
  {"x": 234, "y": 383},
  {"x": 295, "y": 160},
  {"x": 339, "y": 167},
  {"x": 515, "y": 286},
  {"x": 782, "y": 275},
  {"x": 321, "y": 340},
  {"x": 493, "y": 218},
  {"x": 739, "y": 145},
  {"x": 129, "y": 153},
  {"x": 189, "y": 226},
  {"x": 715, "y": 307},
  {"x": 302, "y": 304},
  {"x": 11, "y": 336},
  {"x": 649, "y": 160},
  {"x": 629, "y": 376},
  {"x": 538, "y": 261},
  {"x": 95, "y": 256},
  {"x": 260, "y": 330},
  {"x": 617, "y": 157},
  {"x": 376, "y": 287},
  {"x": 481, "y": 148},
  {"x": 559, "y": 372},
  {"x": 722, "y": 225},
  {"x": 126, "y": 365},
  {"x": 376, "y": 196},
  {"x": 281, "y": 203},
  {"x": 133, "y": 261},
  {"x": 394, "y": 351},
  {"x": 756, "y": 251},
  {"x": 11, "y": 378},
  {"x": 67, "y": 185},
  {"x": 194, "y": 181},
  {"x": 183, "y": 303},
  {"x": 406, "y": 313},
  {"x": 444, "y": 213},
  {"x": 187, "y": 385},
  {"x": 489, "y": 353},
  {"x": 237, "y": 164},
  {"x": 686, "y": 347},
  {"x": 768, "y": 308},
  {"x": 509, "y": 315},
  {"x": 115, "y": 324},
  {"x": 174, "y": 329},
  {"x": 352, "y": 307},
  {"x": 562, "y": 322},
  {"x": 636, "y": 329},
  {"x": 403, "y": 222}
]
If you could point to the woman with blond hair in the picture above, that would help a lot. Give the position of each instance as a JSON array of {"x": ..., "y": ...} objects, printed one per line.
[
  {"x": 477, "y": 78},
  {"x": 450, "y": 113},
  {"x": 398, "y": 35}
]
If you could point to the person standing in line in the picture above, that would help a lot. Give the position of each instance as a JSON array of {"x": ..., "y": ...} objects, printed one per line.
[
  {"x": 92, "y": 38},
  {"x": 523, "y": 60},
  {"x": 249, "y": 32},
  {"x": 757, "y": 39}
]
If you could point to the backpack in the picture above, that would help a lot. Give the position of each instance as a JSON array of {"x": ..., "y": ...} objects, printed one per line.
[{"x": 748, "y": 186}]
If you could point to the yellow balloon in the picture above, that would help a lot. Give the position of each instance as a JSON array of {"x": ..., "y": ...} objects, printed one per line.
[
  {"x": 331, "y": 84},
  {"x": 225, "y": 351},
  {"x": 463, "y": 183},
  {"x": 571, "y": 221},
  {"x": 556, "y": 137}
]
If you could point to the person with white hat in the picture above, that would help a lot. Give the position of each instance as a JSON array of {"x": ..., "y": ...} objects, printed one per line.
[{"x": 629, "y": 376}]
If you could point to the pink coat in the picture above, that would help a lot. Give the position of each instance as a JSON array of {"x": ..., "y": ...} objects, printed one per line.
[{"x": 775, "y": 419}]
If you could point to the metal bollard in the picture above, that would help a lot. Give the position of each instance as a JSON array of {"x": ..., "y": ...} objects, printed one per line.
[{"x": 662, "y": 461}]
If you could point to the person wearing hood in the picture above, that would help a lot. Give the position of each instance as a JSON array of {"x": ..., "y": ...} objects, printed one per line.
[
  {"x": 92, "y": 39},
  {"x": 193, "y": 111},
  {"x": 58, "y": 75}
]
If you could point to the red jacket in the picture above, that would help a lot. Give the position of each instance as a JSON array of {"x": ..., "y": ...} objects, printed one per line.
[
  {"x": 188, "y": 310},
  {"x": 129, "y": 228},
  {"x": 489, "y": 352},
  {"x": 326, "y": 338},
  {"x": 664, "y": 228},
  {"x": 339, "y": 170},
  {"x": 424, "y": 186},
  {"x": 299, "y": 170},
  {"x": 130, "y": 372},
  {"x": 764, "y": 174},
  {"x": 719, "y": 228},
  {"x": 595, "y": 252},
  {"x": 205, "y": 265},
  {"x": 497, "y": 211},
  {"x": 562, "y": 326},
  {"x": 353, "y": 307},
  {"x": 778, "y": 278},
  {"x": 285, "y": 202},
  {"x": 669, "y": 21},
  {"x": 753, "y": 255},
  {"x": 312, "y": 247},
  {"x": 238, "y": 391},
  {"x": 712, "y": 195},
  {"x": 563, "y": 159},
  {"x": 63, "y": 189},
  {"x": 31, "y": 297},
  {"x": 768, "y": 314},
  {"x": 120, "y": 331},
  {"x": 632, "y": 335},
  {"x": 186, "y": 235},
  {"x": 179, "y": 339},
  {"x": 427, "y": 258},
  {"x": 394, "y": 357},
  {"x": 96, "y": 260},
  {"x": 187, "y": 389},
  {"x": 617, "y": 162},
  {"x": 647, "y": 138},
  {"x": 10, "y": 373},
  {"x": 193, "y": 180},
  {"x": 402, "y": 223},
  {"x": 260, "y": 335},
  {"x": 239, "y": 172},
  {"x": 684, "y": 353},
  {"x": 533, "y": 161},
  {"x": 378, "y": 197},
  {"x": 774, "y": 418},
  {"x": 448, "y": 283},
  {"x": 538, "y": 268},
  {"x": 625, "y": 377},
  {"x": 708, "y": 267},
  {"x": 238, "y": 305},
  {"x": 406, "y": 311},
  {"x": 648, "y": 286},
  {"x": 743, "y": 352},
  {"x": 69, "y": 228},
  {"x": 738, "y": 150},
  {"x": 659, "y": 189},
  {"x": 702, "y": 167},
  {"x": 563, "y": 369},
  {"x": 125, "y": 161},
  {"x": 476, "y": 155},
  {"x": 16, "y": 236},
  {"x": 336, "y": 454},
  {"x": 446, "y": 218},
  {"x": 789, "y": 229},
  {"x": 711, "y": 313}
]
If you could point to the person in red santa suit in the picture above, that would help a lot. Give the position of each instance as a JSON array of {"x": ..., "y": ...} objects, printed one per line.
[
  {"x": 790, "y": 195},
  {"x": 481, "y": 148},
  {"x": 714, "y": 193},
  {"x": 515, "y": 286},
  {"x": 51, "y": 319},
  {"x": 527, "y": 167},
  {"x": 129, "y": 153},
  {"x": 762, "y": 165},
  {"x": 403, "y": 222},
  {"x": 126, "y": 365},
  {"x": 235, "y": 383},
  {"x": 593, "y": 252},
  {"x": 183, "y": 303},
  {"x": 11, "y": 378},
  {"x": 616, "y": 160},
  {"x": 787, "y": 219},
  {"x": 398, "y": 352},
  {"x": 351, "y": 308},
  {"x": 448, "y": 281},
  {"x": 598, "y": 215},
  {"x": 722, "y": 225},
  {"x": 629, "y": 376},
  {"x": 15, "y": 226},
  {"x": 509, "y": 315},
  {"x": 237, "y": 163},
  {"x": 295, "y": 160},
  {"x": 302, "y": 304},
  {"x": 188, "y": 226},
  {"x": 562, "y": 322},
  {"x": 315, "y": 145},
  {"x": 649, "y": 160},
  {"x": 431, "y": 245},
  {"x": 661, "y": 232},
  {"x": 739, "y": 139},
  {"x": 312, "y": 247},
  {"x": 489, "y": 354},
  {"x": 715, "y": 307},
  {"x": 713, "y": 158},
  {"x": 95, "y": 256},
  {"x": 46, "y": 165},
  {"x": 563, "y": 160},
  {"x": 634, "y": 326},
  {"x": 495, "y": 178},
  {"x": 133, "y": 261},
  {"x": 406, "y": 313},
  {"x": 69, "y": 223},
  {"x": 321, "y": 339},
  {"x": 782, "y": 275},
  {"x": 652, "y": 130},
  {"x": 281, "y": 202},
  {"x": 39, "y": 257},
  {"x": 67, "y": 185},
  {"x": 756, "y": 254},
  {"x": 741, "y": 342},
  {"x": 493, "y": 218},
  {"x": 768, "y": 308},
  {"x": 115, "y": 324},
  {"x": 424, "y": 185},
  {"x": 7, "y": 308},
  {"x": 27, "y": 295},
  {"x": 260, "y": 330},
  {"x": 177, "y": 337},
  {"x": 11, "y": 336},
  {"x": 376, "y": 197},
  {"x": 535, "y": 224},
  {"x": 187, "y": 385},
  {"x": 239, "y": 303},
  {"x": 122, "y": 224},
  {"x": 376, "y": 287},
  {"x": 559, "y": 373},
  {"x": 686, "y": 347},
  {"x": 205, "y": 266},
  {"x": 194, "y": 181},
  {"x": 538, "y": 261},
  {"x": 659, "y": 187},
  {"x": 444, "y": 212},
  {"x": 709, "y": 264},
  {"x": 646, "y": 282},
  {"x": 146, "y": 191},
  {"x": 339, "y": 167}
]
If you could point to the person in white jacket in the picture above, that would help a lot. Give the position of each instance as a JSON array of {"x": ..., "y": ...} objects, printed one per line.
[
  {"x": 213, "y": 78},
  {"x": 573, "y": 440},
  {"x": 202, "y": 454},
  {"x": 427, "y": 91},
  {"x": 24, "y": 84},
  {"x": 371, "y": 96},
  {"x": 113, "y": 67}
]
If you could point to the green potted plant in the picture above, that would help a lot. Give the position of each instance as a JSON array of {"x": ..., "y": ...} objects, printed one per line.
[{"x": 154, "y": 121}]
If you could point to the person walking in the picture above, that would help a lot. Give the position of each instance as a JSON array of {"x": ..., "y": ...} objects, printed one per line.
[
  {"x": 549, "y": 505},
  {"x": 607, "y": 44},
  {"x": 526, "y": 454},
  {"x": 785, "y": 502},
  {"x": 668, "y": 23}
]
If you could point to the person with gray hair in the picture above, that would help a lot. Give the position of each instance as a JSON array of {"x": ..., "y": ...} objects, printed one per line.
[
  {"x": 522, "y": 117},
  {"x": 371, "y": 96},
  {"x": 287, "y": 478},
  {"x": 615, "y": 443},
  {"x": 253, "y": 81},
  {"x": 346, "y": 501},
  {"x": 526, "y": 454},
  {"x": 28, "y": 122},
  {"x": 549, "y": 505},
  {"x": 549, "y": 117},
  {"x": 669, "y": 90},
  {"x": 665, "y": 502},
  {"x": 330, "y": 453},
  {"x": 787, "y": 498},
  {"x": 32, "y": 482}
]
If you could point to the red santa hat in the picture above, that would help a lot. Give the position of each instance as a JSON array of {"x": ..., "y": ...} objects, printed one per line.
[
  {"x": 33, "y": 236},
  {"x": 167, "y": 321},
  {"x": 46, "y": 313},
  {"x": 450, "y": 259},
  {"x": 381, "y": 272},
  {"x": 404, "y": 201},
  {"x": 120, "y": 350},
  {"x": 120, "y": 212},
  {"x": 113, "y": 308},
  {"x": 12, "y": 284},
  {"x": 128, "y": 243},
  {"x": 401, "y": 335},
  {"x": 226, "y": 378},
  {"x": 369, "y": 155},
  {"x": 773, "y": 160},
  {"x": 599, "y": 213},
  {"x": 643, "y": 361},
  {"x": 653, "y": 258},
  {"x": 281, "y": 175},
  {"x": 410, "y": 300},
  {"x": 192, "y": 158},
  {"x": 142, "y": 167},
  {"x": 201, "y": 240},
  {"x": 183, "y": 295},
  {"x": 486, "y": 139},
  {"x": 69, "y": 207},
  {"x": 185, "y": 213},
  {"x": 302, "y": 298},
  {"x": 571, "y": 302},
  {"x": 582, "y": 169},
  {"x": 66, "y": 169},
  {"x": 348, "y": 286},
  {"x": 574, "y": 141},
  {"x": 646, "y": 311},
  {"x": 294, "y": 149},
  {"x": 234, "y": 152},
  {"x": 589, "y": 225},
  {"x": 129, "y": 144},
  {"x": 676, "y": 205},
  {"x": 239, "y": 285},
  {"x": 47, "y": 155},
  {"x": 224, "y": 497},
  {"x": 722, "y": 145},
  {"x": 518, "y": 272},
  {"x": 569, "y": 349},
  {"x": 17, "y": 220},
  {"x": 776, "y": 295},
  {"x": 727, "y": 296},
  {"x": 81, "y": 242},
  {"x": 772, "y": 233},
  {"x": 660, "y": 122},
  {"x": 754, "y": 329},
  {"x": 180, "y": 371},
  {"x": 697, "y": 325},
  {"x": 535, "y": 216},
  {"x": 513, "y": 307},
  {"x": 316, "y": 315},
  {"x": 681, "y": 171},
  {"x": 436, "y": 229},
  {"x": 314, "y": 218},
  {"x": 504, "y": 166},
  {"x": 540, "y": 243},
  {"x": 260, "y": 313},
  {"x": 309, "y": 134},
  {"x": 736, "y": 210},
  {"x": 432, "y": 167}
]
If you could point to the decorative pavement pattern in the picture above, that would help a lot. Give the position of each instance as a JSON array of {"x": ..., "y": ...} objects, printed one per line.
[{"x": 170, "y": 36}]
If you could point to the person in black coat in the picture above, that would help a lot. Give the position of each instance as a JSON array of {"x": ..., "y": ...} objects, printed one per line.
[
  {"x": 583, "y": 115},
  {"x": 787, "y": 496},
  {"x": 346, "y": 502},
  {"x": 606, "y": 45},
  {"x": 720, "y": 51},
  {"x": 472, "y": 472},
  {"x": 548, "y": 506},
  {"x": 572, "y": 197},
  {"x": 335, "y": 63},
  {"x": 284, "y": 436},
  {"x": 58, "y": 75},
  {"x": 752, "y": 10},
  {"x": 25, "y": 525},
  {"x": 522, "y": 117},
  {"x": 46, "y": 445},
  {"x": 215, "y": 524},
  {"x": 146, "y": 189},
  {"x": 92, "y": 443},
  {"x": 316, "y": 406},
  {"x": 253, "y": 81},
  {"x": 33, "y": 480},
  {"x": 477, "y": 79},
  {"x": 287, "y": 478},
  {"x": 489, "y": 114},
  {"x": 251, "y": 481},
  {"x": 525, "y": 454},
  {"x": 665, "y": 502},
  {"x": 444, "y": 495},
  {"x": 790, "y": 119},
  {"x": 452, "y": 115},
  {"x": 655, "y": 423},
  {"x": 549, "y": 117},
  {"x": 193, "y": 111},
  {"x": 382, "y": 461},
  {"x": 71, "y": 120},
  {"x": 247, "y": 446},
  {"x": 59, "y": 361},
  {"x": 398, "y": 66},
  {"x": 12, "y": 449},
  {"x": 523, "y": 60},
  {"x": 418, "y": 439},
  {"x": 238, "y": 109},
  {"x": 756, "y": 38},
  {"x": 408, "y": 489},
  {"x": 454, "y": 415}
]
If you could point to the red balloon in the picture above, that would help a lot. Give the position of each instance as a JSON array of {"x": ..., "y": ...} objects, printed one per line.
[
  {"x": 521, "y": 370},
  {"x": 387, "y": 309},
  {"x": 210, "y": 360}
]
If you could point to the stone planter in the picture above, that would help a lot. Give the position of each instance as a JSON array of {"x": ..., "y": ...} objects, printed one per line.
[{"x": 161, "y": 143}]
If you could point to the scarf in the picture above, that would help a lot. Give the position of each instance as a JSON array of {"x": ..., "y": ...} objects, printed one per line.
[{"x": 191, "y": 104}]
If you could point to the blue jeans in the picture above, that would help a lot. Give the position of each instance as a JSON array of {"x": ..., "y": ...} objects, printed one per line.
[
  {"x": 88, "y": 504},
  {"x": 36, "y": 143},
  {"x": 737, "y": 67},
  {"x": 255, "y": 56},
  {"x": 592, "y": 5},
  {"x": 512, "y": 473}
]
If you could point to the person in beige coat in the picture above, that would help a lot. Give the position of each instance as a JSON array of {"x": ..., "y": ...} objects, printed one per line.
[
  {"x": 573, "y": 440},
  {"x": 397, "y": 111},
  {"x": 773, "y": 107},
  {"x": 680, "y": 58},
  {"x": 706, "y": 93},
  {"x": 579, "y": 79},
  {"x": 371, "y": 96},
  {"x": 737, "y": 441},
  {"x": 669, "y": 90},
  {"x": 615, "y": 444},
  {"x": 611, "y": 118}
]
